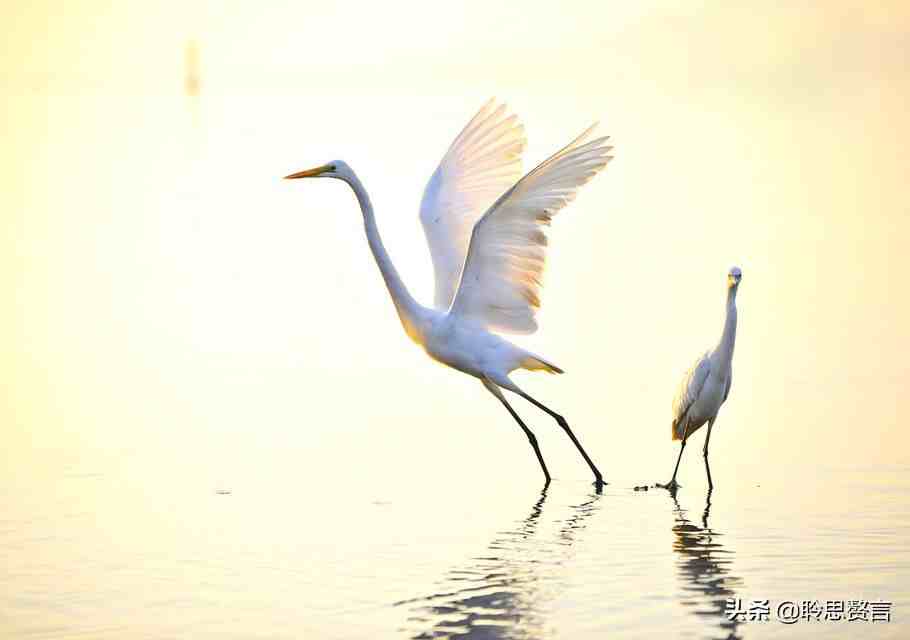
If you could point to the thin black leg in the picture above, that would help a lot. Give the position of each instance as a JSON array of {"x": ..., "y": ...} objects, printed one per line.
[
  {"x": 598, "y": 478},
  {"x": 672, "y": 486},
  {"x": 708, "y": 466},
  {"x": 682, "y": 448},
  {"x": 531, "y": 438}
]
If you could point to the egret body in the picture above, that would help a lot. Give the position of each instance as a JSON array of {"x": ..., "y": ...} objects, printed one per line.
[
  {"x": 706, "y": 385},
  {"x": 486, "y": 231}
]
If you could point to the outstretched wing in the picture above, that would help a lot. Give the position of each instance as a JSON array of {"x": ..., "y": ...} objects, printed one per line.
[
  {"x": 483, "y": 161},
  {"x": 689, "y": 388},
  {"x": 501, "y": 280}
]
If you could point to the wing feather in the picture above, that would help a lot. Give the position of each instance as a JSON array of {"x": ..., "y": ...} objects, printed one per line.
[
  {"x": 689, "y": 388},
  {"x": 483, "y": 161},
  {"x": 501, "y": 280}
]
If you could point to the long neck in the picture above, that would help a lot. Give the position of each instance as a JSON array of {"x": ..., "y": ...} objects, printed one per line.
[
  {"x": 407, "y": 307},
  {"x": 728, "y": 337}
]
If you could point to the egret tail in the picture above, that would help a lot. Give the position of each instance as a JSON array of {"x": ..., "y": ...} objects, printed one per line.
[{"x": 536, "y": 363}]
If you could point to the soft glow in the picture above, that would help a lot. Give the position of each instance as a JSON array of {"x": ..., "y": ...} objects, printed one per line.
[
  {"x": 173, "y": 310},
  {"x": 155, "y": 263}
]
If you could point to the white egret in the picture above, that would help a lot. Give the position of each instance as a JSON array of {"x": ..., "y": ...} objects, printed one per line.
[
  {"x": 705, "y": 387},
  {"x": 485, "y": 229}
]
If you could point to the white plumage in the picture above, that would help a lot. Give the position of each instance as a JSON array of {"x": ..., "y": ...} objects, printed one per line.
[
  {"x": 699, "y": 396},
  {"x": 706, "y": 385},
  {"x": 501, "y": 282},
  {"x": 482, "y": 162},
  {"x": 488, "y": 245}
]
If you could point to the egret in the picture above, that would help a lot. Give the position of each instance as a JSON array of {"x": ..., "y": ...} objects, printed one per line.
[
  {"x": 706, "y": 385},
  {"x": 486, "y": 231}
]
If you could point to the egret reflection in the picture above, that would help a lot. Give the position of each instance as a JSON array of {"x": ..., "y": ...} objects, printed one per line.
[
  {"x": 704, "y": 565},
  {"x": 502, "y": 593}
]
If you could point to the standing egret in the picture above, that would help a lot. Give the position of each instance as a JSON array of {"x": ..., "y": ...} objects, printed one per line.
[
  {"x": 706, "y": 385},
  {"x": 485, "y": 228}
]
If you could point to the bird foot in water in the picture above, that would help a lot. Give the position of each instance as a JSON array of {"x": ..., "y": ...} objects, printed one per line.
[{"x": 671, "y": 486}]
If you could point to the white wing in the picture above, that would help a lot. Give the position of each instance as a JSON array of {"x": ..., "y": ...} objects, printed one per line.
[
  {"x": 502, "y": 273},
  {"x": 483, "y": 161},
  {"x": 689, "y": 388}
]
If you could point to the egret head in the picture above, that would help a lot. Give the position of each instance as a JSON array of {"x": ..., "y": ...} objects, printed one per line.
[
  {"x": 336, "y": 169},
  {"x": 734, "y": 276}
]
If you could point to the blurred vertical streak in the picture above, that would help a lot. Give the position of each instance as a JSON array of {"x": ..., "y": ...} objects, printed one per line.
[
  {"x": 195, "y": 143},
  {"x": 192, "y": 81}
]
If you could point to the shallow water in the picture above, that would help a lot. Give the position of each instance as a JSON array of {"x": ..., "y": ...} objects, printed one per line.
[
  {"x": 88, "y": 556},
  {"x": 214, "y": 427}
]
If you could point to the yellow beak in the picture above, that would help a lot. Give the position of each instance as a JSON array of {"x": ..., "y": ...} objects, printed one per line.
[{"x": 310, "y": 173}]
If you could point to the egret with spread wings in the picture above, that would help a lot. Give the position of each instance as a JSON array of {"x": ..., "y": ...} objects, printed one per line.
[
  {"x": 706, "y": 386},
  {"x": 486, "y": 231}
]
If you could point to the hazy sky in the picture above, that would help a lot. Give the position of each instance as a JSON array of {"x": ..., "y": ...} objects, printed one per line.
[
  {"x": 157, "y": 271},
  {"x": 798, "y": 49}
]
